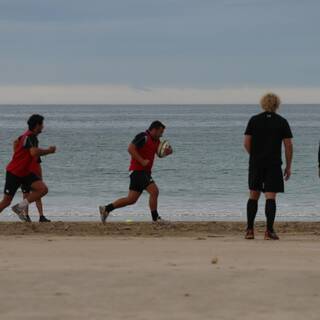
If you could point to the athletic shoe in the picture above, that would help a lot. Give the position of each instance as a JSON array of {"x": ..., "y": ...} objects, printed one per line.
[
  {"x": 161, "y": 221},
  {"x": 43, "y": 219},
  {"x": 249, "y": 234},
  {"x": 28, "y": 218},
  {"x": 19, "y": 212},
  {"x": 270, "y": 235},
  {"x": 103, "y": 214}
]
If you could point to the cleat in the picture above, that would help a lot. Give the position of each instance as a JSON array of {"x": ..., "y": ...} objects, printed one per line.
[
  {"x": 44, "y": 219},
  {"x": 270, "y": 235},
  {"x": 161, "y": 221},
  {"x": 103, "y": 214},
  {"x": 19, "y": 212},
  {"x": 249, "y": 234}
]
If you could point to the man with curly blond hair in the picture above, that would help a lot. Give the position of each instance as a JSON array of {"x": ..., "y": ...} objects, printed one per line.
[{"x": 264, "y": 136}]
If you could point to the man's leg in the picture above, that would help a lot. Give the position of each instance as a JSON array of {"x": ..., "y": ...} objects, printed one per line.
[
  {"x": 153, "y": 191},
  {"x": 274, "y": 184},
  {"x": 270, "y": 211},
  {"x": 39, "y": 190},
  {"x": 12, "y": 184},
  {"x": 252, "y": 208},
  {"x": 255, "y": 181},
  {"x": 130, "y": 199},
  {"x": 39, "y": 207},
  {"x": 5, "y": 202},
  {"x": 25, "y": 195}
]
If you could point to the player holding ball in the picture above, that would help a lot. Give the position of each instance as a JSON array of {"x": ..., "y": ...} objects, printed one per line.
[{"x": 142, "y": 149}]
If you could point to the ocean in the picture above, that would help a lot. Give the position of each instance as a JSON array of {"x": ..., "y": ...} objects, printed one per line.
[{"x": 205, "y": 178}]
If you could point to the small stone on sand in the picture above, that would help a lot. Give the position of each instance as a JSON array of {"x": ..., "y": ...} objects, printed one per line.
[{"x": 214, "y": 260}]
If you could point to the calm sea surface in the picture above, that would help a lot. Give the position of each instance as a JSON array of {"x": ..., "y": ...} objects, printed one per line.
[{"x": 205, "y": 179}]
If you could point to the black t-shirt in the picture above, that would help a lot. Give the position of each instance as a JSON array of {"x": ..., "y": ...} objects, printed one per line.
[
  {"x": 140, "y": 140},
  {"x": 268, "y": 130},
  {"x": 32, "y": 142}
]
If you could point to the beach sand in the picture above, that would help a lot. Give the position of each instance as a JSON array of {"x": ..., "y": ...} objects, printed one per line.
[{"x": 140, "y": 271}]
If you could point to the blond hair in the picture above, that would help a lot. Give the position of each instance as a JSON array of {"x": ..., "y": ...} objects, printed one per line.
[{"x": 270, "y": 102}]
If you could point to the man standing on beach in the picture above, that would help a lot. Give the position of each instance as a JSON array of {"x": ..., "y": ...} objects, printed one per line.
[
  {"x": 142, "y": 149},
  {"x": 264, "y": 136},
  {"x": 22, "y": 169}
]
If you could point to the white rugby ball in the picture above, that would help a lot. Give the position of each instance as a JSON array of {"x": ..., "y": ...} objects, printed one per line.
[{"x": 162, "y": 147}]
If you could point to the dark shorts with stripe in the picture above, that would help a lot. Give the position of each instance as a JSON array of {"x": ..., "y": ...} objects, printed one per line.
[
  {"x": 140, "y": 180},
  {"x": 266, "y": 179},
  {"x": 13, "y": 183}
]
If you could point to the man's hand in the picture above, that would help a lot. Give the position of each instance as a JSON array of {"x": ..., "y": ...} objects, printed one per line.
[
  {"x": 52, "y": 149},
  {"x": 287, "y": 173},
  {"x": 168, "y": 151},
  {"x": 145, "y": 162}
]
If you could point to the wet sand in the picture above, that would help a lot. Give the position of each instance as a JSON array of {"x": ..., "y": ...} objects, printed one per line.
[{"x": 148, "y": 229}]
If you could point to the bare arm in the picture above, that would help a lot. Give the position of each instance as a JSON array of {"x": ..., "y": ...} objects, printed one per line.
[
  {"x": 247, "y": 143},
  {"x": 133, "y": 151},
  {"x": 37, "y": 152},
  {"x": 289, "y": 154}
]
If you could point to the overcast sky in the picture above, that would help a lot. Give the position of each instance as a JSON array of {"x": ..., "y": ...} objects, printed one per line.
[{"x": 158, "y": 51}]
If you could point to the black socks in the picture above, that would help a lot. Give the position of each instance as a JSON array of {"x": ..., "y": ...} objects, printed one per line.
[
  {"x": 270, "y": 210},
  {"x": 270, "y": 213},
  {"x": 155, "y": 215},
  {"x": 110, "y": 207},
  {"x": 252, "y": 208}
]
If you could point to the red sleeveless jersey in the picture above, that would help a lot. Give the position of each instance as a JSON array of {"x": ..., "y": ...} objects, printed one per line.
[
  {"x": 147, "y": 151},
  {"x": 22, "y": 162}
]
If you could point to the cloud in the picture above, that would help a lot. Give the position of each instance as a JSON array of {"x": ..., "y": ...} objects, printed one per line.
[{"x": 122, "y": 94}]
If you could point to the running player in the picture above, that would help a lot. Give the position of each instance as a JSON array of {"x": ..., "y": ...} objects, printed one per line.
[
  {"x": 142, "y": 150},
  {"x": 26, "y": 188},
  {"x": 21, "y": 169},
  {"x": 264, "y": 136}
]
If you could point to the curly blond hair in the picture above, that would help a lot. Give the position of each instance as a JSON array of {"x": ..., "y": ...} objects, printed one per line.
[{"x": 270, "y": 102}]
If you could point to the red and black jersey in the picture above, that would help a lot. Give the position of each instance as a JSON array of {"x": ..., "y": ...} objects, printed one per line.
[
  {"x": 147, "y": 148},
  {"x": 22, "y": 163}
]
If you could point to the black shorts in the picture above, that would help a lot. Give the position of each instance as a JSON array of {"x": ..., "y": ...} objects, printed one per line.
[
  {"x": 268, "y": 179},
  {"x": 13, "y": 183},
  {"x": 140, "y": 180}
]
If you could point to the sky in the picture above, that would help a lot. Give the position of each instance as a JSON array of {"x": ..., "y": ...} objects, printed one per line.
[{"x": 168, "y": 51}]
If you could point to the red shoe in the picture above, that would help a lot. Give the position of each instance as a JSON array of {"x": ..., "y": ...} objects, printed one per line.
[
  {"x": 249, "y": 234},
  {"x": 270, "y": 235}
]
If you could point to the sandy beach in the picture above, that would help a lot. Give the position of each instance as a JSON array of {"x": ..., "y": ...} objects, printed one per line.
[{"x": 141, "y": 271}]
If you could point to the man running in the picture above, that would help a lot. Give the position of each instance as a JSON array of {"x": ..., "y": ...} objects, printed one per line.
[
  {"x": 26, "y": 188},
  {"x": 22, "y": 168},
  {"x": 142, "y": 150},
  {"x": 263, "y": 140}
]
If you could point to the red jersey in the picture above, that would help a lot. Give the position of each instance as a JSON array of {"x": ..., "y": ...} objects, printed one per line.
[
  {"x": 22, "y": 163},
  {"x": 147, "y": 148}
]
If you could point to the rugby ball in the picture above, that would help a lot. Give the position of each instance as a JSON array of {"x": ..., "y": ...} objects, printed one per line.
[{"x": 162, "y": 147}]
